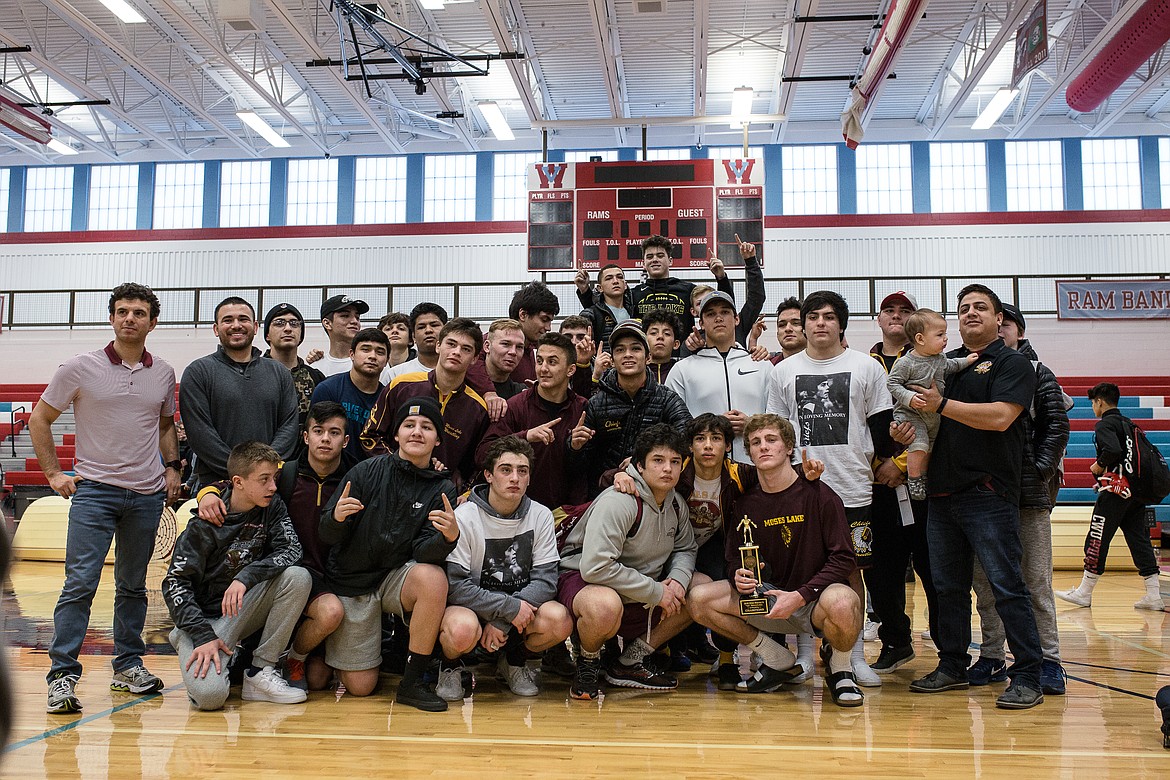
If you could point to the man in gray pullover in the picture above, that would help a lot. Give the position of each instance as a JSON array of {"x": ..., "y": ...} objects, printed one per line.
[
  {"x": 502, "y": 576},
  {"x": 626, "y": 567},
  {"x": 235, "y": 395}
]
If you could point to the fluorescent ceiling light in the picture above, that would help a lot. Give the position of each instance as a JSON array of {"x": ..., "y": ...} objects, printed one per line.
[
  {"x": 995, "y": 107},
  {"x": 61, "y": 148},
  {"x": 253, "y": 120},
  {"x": 432, "y": 5},
  {"x": 741, "y": 105},
  {"x": 124, "y": 11},
  {"x": 495, "y": 118}
]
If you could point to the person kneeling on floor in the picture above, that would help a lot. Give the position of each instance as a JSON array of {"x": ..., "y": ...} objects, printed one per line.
[
  {"x": 805, "y": 557},
  {"x": 391, "y": 527},
  {"x": 626, "y": 566},
  {"x": 502, "y": 576},
  {"x": 229, "y": 581}
]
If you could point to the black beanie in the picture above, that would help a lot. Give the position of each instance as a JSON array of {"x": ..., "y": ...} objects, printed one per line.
[
  {"x": 278, "y": 310},
  {"x": 427, "y": 407}
]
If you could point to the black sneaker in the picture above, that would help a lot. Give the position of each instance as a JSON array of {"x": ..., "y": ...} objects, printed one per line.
[
  {"x": 892, "y": 658},
  {"x": 420, "y": 696},
  {"x": 937, "y": 682},
  {"x": 728, "y": 677},
  {"x": 557, "y": 660},
  {"x": 587, "y": 679},
  {"x": 766, "y": 679},
  {"x": 638, "y": 676},
  {"x": 1052, "y": 678},
  {"x": 986, "y": 671},
  {"x": 703, "y": 652},
  {"x": 1019, "y": 696}
]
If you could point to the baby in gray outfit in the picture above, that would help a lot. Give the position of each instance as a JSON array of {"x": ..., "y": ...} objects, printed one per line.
[{"x": 922, "y": 366}]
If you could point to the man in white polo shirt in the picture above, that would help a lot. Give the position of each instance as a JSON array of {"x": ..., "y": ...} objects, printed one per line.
[{"x": 124, "y": 405}]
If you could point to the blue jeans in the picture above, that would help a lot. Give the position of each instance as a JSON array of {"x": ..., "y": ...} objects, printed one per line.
[
  {"x": 978, "y": 522},
  {"x": 99, "y": 513}
]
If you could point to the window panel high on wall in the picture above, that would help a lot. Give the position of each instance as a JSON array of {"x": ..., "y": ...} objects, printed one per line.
[
  {"x": 809, "y": 175},
  {"x": 1111, "y": 173},
  {"x": 449, "y": 188},
  {"x": 113, "y": 197},
  {"x": 380, "y": 190},
  {"x": 244, "y": 192},
  {"x": 5, "y": 178},
  {"x": 653, "y": 155},
  {"x": 48, "y": 200},
  {"x": 606, "y": 155},
  {"x": 958, "y": 177},
  {"x": 510, "y": 185},
  {"x": 178, "y": 196},
  {"x": 312, "y": 192},
  {"x": 1035, "y": 175},
  {"x": 883, "y": 179}
]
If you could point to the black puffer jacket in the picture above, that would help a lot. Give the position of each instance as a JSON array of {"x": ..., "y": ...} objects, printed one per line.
[
  {"x": 603, "y": 321},
  {"x": 392, "y": 529},
  {"x": 617, "y": 419},
  {"x": 1046, "y": 430}
]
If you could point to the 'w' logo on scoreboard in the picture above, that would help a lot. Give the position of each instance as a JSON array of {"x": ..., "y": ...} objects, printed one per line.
[
  {"x": 551, "y": 174},
  {"x": 739, "y": 171}
]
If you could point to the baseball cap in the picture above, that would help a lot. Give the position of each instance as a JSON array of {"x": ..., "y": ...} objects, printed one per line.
[
  {"x": 281, "y": 309},
  {"x": 629, "y": 328},
  {"x": 339, "y": 302},
  {"x": 1012, "y": 312},
  {"x": 902, "y": 297},
  {"x": 716, "y": 295}
]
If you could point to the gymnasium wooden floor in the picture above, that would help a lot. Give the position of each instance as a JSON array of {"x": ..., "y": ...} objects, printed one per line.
[{"x": 1106, "y": 725}]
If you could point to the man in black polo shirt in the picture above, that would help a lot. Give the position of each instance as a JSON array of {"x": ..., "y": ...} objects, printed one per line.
[{"x": 974, "y": 488}]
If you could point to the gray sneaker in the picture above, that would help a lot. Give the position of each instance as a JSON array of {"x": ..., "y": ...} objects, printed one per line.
[
  {"x": 521, "y": 680},
  {"x": 62, "y": 698},
  {"x": 1019, "y": 696},
  {"x": 135, "y": 680},
  {"x": 450, "y": 685}
]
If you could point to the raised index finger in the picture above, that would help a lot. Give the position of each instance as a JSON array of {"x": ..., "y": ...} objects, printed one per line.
[
  {"x": 738, "y": 240},
  {"x": 552, "y": 423},
  {"x": 446, "y": 503},
  {"x": 345, "y": 490}
]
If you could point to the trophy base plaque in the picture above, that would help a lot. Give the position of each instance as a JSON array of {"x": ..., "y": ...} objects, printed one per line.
[{"x": 754, "y": 605}]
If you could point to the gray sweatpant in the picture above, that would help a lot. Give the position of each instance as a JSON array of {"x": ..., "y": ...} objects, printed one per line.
[
  {"x": 1036, "y": 539},
  {"x": 274, "y": 605}
]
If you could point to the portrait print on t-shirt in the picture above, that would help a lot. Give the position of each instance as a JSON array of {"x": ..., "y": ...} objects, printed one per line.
[
  {"x": 822, "y": 407},
  {"x": 507, "y": 563}
]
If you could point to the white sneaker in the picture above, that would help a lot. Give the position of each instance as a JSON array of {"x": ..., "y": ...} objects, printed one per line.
[
  {"x": 268, "y": 685},
  {"x": 1150, "y": 602},
  {"x": 521, "y": 680},
  {"x": 866, "y": 677},
  {"x": 870, "y": 632},
  {"x": 450, "y": 685},
  {"x": 925, "y": 636},
  {"x": 1074, "y": 596}
]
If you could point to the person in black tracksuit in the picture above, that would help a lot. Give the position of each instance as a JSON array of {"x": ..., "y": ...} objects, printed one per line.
[{"x": 1115, "y": 507}]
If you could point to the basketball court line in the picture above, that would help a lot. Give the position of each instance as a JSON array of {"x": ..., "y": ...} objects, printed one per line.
[
  {"x": 1110, "y": 687},
  {"x": 609, "y": 744},
  {"x": 87, "y": 719}
]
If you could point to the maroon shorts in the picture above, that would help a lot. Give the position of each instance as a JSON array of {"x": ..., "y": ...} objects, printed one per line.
[{"x": 637, "y": 620}]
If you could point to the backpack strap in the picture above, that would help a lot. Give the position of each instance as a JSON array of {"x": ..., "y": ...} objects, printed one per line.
[
  {"x": 637, "y": 518},
  {"x": 286, "y": 481}
]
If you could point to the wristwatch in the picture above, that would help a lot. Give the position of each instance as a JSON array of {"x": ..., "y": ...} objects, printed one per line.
[{"x": 177, "y": 465}]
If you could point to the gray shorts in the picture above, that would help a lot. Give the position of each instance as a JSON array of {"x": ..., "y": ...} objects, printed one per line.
[
  {"x": 356, "y": 645},
  {"x": 925, "y": 427},
  {"x": 799, "y": 622}
]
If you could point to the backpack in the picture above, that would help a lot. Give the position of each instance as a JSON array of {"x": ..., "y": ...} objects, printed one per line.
[
  {"x": 566, "y": 519},
  {"x": 1150, "y": 477}
]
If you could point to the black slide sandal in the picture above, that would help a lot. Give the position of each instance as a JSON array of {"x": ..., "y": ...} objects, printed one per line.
[{"x": 841, "y": 684}]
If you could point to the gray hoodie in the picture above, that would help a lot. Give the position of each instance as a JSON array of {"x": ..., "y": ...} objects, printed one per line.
[{"x": 603, "y": 550}]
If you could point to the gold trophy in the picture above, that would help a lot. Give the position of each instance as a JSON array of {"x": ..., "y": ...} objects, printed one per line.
[{"x": 749, "y": 557}]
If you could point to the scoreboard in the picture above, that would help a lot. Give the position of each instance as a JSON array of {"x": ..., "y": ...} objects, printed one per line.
[{"x": 586, "y": 215}]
